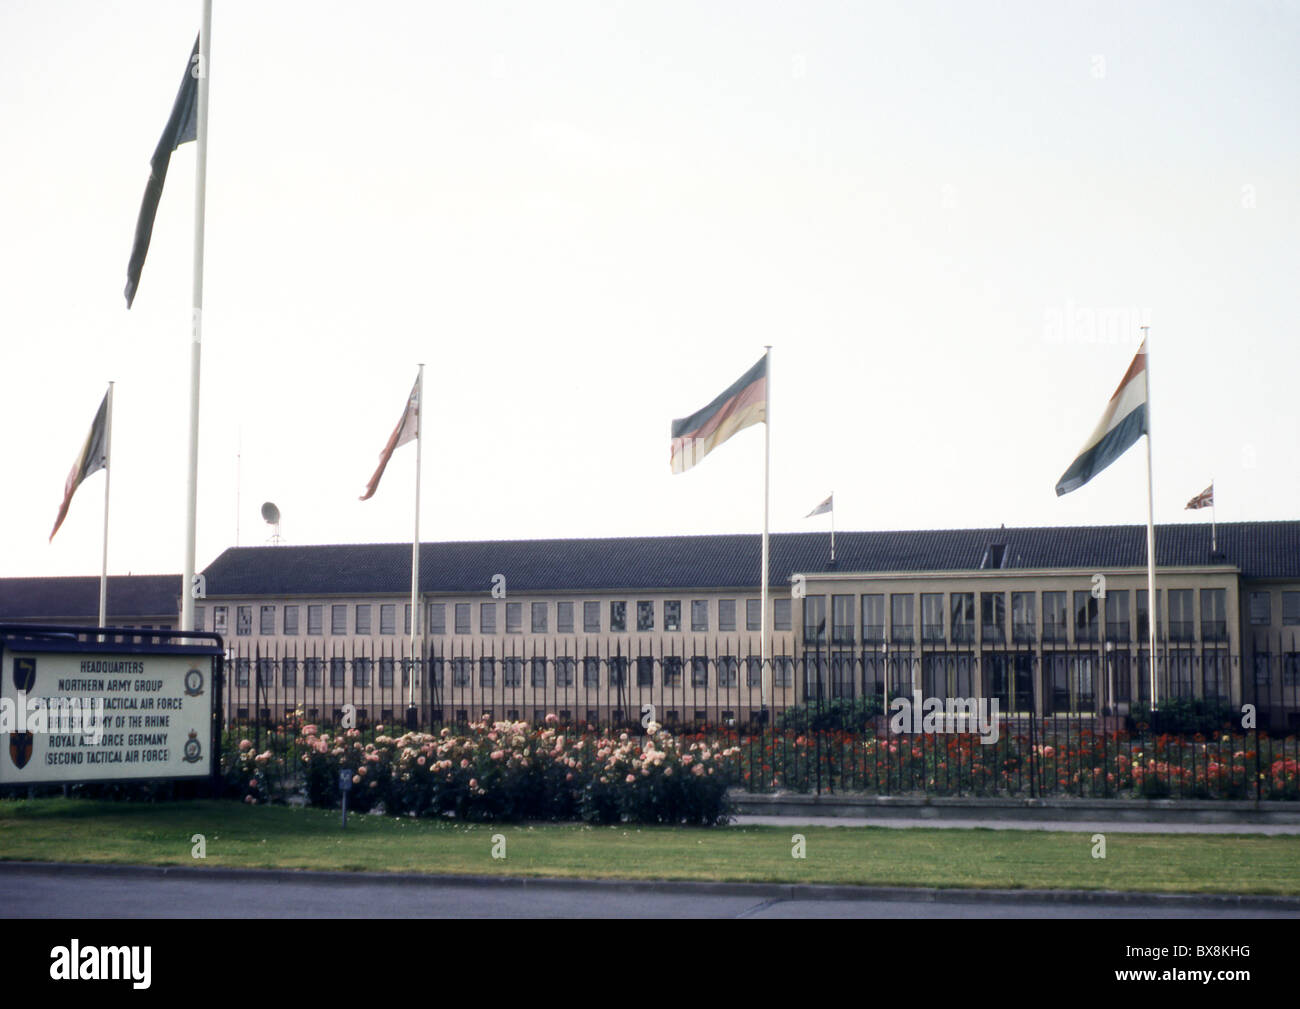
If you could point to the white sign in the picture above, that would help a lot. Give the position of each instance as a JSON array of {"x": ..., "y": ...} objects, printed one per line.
[{"x": 88, "y": 716}]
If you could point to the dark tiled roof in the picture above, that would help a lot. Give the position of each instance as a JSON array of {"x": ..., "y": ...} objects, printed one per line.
[
  {"x": 1260, "y": 549},
  {"x": 77, "y": 598}
]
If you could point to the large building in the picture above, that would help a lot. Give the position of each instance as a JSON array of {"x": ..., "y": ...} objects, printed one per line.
[{"x": 1048, "y": 620}]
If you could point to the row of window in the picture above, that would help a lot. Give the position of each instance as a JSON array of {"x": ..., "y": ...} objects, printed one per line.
[
  {"x": 953, "y": 616},
  {"x": 724, "y": 671},
  {"x": 539, "y": 613}
]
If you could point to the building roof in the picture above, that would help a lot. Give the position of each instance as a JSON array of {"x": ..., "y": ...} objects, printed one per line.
[
  {"x": 1259, "y": 549},
  {"x": 77, "y": 598}
]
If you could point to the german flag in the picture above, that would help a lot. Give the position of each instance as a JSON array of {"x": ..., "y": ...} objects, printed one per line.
[{"x": 743, "y": 403}]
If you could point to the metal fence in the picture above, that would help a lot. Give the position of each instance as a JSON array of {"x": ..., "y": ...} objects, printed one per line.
[{"x": 1071, "y": 720}]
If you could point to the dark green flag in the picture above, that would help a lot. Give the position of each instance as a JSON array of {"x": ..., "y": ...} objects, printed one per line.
[{"x": 181, "y": 126}]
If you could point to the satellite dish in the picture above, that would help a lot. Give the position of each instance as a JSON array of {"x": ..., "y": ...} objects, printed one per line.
[{"x": 270, "y": 513}]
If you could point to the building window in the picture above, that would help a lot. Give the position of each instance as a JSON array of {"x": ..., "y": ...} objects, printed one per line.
[
  {"x": 198, "y": 619},
  {"x": 514, "y": 618},
  {"x": 565, "y": 667},
  {"x": 842, "y": 629},
  {"x": 1117, "y": 625},
  {"x": 726, "y": 614},
  {"x": 672, "y": 614},
  {"x": 782, "y": 614},
  {"x": 338, "y": 619},
  {"x": 539, "y": 672},
  {"x": 338, "y": 672},
  {"x": 591, "y": 617},
  {"x": 1214, "y": 615},
  {"x": 288, "y": 672},
  {"x": 291, "y": 621},
  {"x": 265, "y": 673},
  {"x": 591, "y": 672},
  {"x": 1261, "y": 669},
  {"x": 1261, "y": 608},
  {"x": 564, "y": 618},
  {"x": 963, "y": 617},
  {"x": 1143, "y": 626},
  {"x": 266, "y": 620},
  {"x": 361, "y": 672},
  {"x": 487, "y": 618},
  {"x": 460, "y": 672},
  {"x": 672, "y": 670},
  {"x": 873, "y": 618},
  {"x": 993, "y": 617},
  {"x": 1085, "y": 616},
  {"x": 487, "y": 671},
  {"x": 1024, "y": 619},
  {"x": 437, "y": 618},
  {"x": 728, "y": 671},
  {"x": 783, "y": 671},
  {"x": 932, "y": 616},
  {"x": 241, "y": 672},
  {"x": 311, "y": 672},
  {"x": 699, "y": 671},
  {"x": 699, "y": 614},
  {"x": 1290, "y": 609},
  {"x": 245, "y": 617},
  {"x": 617, "y": 670},
  {"x": 645, "y": 616},
  {"x": 902, "y": 617},
  {"x": 219, "y": 620},
  {"x": 645, "y": 671},
  {"x": 386, "y": 671},
  {"x": 363, "y": 618},
  {"x": 315, "y": 619},
  {"x": 513, "y": 670},
  {"x": 617, "y": 616},
  {"x": 1182, "y": 621},
  {"x": 538, "y": 618},
  {"x": 753, "y": 671},
  {"x": 753, "y": 614},
  {"x": 1056, "y": 617},
  {"x": 462, "y": 618},
  {"x": 388, "y": 618},
  {"x": 814, "y": 620}
]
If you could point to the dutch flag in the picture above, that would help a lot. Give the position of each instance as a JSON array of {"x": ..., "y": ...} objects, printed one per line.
[{"x": 1123, "y": 423}]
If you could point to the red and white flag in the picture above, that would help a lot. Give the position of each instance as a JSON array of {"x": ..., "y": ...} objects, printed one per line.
[
  {"x": 1205, "y": 499},
  {"x": 408, "y": 429}
]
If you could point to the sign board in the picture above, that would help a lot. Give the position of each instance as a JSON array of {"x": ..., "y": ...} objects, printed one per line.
[{"x": 74, "y": 708}]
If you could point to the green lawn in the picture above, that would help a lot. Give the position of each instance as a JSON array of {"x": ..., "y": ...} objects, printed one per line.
[{"x": 73, "y": 830}]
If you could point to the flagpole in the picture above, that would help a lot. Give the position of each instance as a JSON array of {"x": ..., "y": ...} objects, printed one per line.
[
  {"x": 415, "y": 543},
  {"x": 767, "y": 459},
  {"x": 832, "y": 529},
  {"x": 1214, "y": 522},
  {"x": 1153, "y": 607},
  {"x": 196, "y": 318},
  {"x": 108, "y": 473}
]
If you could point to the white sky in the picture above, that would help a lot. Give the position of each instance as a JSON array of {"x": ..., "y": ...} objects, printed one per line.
[{"x": 587, "y": 219}]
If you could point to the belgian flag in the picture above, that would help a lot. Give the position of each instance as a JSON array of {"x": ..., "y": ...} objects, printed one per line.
[{"x": 93, "y": 456}]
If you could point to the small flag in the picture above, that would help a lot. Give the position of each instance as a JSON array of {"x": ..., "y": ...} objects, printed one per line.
[
  {"x": 408, "y": 429},
  {"x": 823, "y": 508},
  {"x": 1122, "y": 424},
  {"x": 742, "y": 404},
  {"x": 93, "y": 456},
  {"x": 1205, "y": 499},
  {"x": 181, "y": 126}
]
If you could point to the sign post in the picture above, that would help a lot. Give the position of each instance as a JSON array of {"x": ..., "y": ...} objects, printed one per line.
[{"x": 345, "y": 786}]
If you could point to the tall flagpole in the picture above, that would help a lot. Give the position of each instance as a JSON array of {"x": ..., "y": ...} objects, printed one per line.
[
  {"x": 832, "y": 528},
  {"x": 1153, "y": 607},
  {"x": 767, "y": 458},
  {"x": 1214, "y": 522},
  {"x": 415, "y": 541},
  {"x": 108, "y": 473},
  {"x": 196, "y": 318}
]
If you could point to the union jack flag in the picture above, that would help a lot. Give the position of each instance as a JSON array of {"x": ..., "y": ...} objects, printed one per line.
[{"x": 1205, "y": 499}]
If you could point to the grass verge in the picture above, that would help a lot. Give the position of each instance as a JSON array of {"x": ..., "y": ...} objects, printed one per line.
[{"x": 238, "y": 835}]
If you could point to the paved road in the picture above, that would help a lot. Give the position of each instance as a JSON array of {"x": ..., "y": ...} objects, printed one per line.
[
  {"x": 93, "y": 892},
  {"x": 1072, "y": 826}
]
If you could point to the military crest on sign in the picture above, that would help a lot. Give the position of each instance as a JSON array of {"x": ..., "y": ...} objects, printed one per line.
[
  {"x": 193, "y": 748},
  {"x": 193, "y": 683},
  {"x": 24, "y": 674},
  {"x": 20, "y": 748}
]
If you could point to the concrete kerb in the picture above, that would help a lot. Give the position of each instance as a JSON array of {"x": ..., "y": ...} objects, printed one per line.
[
  {"x": 757, "y": 891},
  {"x": 868, "y": 807}
]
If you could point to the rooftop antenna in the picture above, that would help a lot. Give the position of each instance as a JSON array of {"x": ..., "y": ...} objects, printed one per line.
[{"x": 272, "y": 516}]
